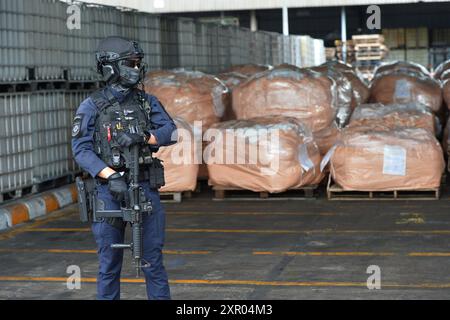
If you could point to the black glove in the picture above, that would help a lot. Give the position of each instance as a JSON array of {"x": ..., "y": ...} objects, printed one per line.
[
  {"x": 117, "y": 186},
  {"x": 127, "y": 140}
]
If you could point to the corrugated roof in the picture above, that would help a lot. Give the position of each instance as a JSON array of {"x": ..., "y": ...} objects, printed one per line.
[{"x": 168, "y": 6}]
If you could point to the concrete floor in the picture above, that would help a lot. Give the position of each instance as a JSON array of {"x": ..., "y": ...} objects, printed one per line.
[{"x": 312, "y": 249}]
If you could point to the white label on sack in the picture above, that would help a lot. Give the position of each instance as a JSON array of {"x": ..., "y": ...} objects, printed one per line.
[
  {"x": 394, "y": 162},
  {"x": 402, "y": 90},
  {"x": 303, "y": 158}
]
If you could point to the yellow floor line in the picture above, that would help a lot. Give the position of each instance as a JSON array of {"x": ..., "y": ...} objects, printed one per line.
[
  {"x": 429, "y": 254},
  {"x": 240, "y": 282},
  {"x": 354, "y": 254},
  {"x": 174, "y": 252},
  {"x": 58, "y": 230},
  {"x": 255, "y": 213},
  {"x": 261, "y": 231},
  {"x": 337, "y": 254},
  {"x": 258, "y": 253},
  {"x": 321, "y": 231}
]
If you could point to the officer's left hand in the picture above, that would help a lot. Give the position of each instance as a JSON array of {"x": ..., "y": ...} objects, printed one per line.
[
  {"x": 127, "y": 140},
  {"x": 117, "y": 186}
]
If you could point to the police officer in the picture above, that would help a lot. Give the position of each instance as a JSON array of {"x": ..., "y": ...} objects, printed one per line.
[{"x": 96, "y": 148}]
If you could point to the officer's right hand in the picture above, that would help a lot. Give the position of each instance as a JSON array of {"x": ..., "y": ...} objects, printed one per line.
[{"x": 117, "y": 186}]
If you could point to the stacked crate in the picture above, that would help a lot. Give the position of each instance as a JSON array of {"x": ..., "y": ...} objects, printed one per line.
[
  {"x": 186, "y": 42},
  {"x": 14, "y": 38},
  {"x": 417, "y": 46},
  {"x": 16, "y": 143},
  {"x": 370, "y": 51},
  {"x": 440, "y": 47},
  {"x": 410, "y": 44},
  {"x": 296, "y": 55},
  {"x": 395, "y": 40},
  {"x": 277, "y": 48},
  {"x": 307, "y": 51},
  {"x": 35, "y": 138},
  {"x": 319, "y": 52}
]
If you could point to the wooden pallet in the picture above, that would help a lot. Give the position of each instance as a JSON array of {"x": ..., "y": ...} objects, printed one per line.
[
  {"x": 371, "y": 47},
  {"x": 237, "y": 194},
  {"x": 372, "y": 54},
  {"x": 336, "y": 192},
  {"x": 368, "y": 38},
  {"x": 377, "y": 57},
  {"x": 174, "y": 197}
]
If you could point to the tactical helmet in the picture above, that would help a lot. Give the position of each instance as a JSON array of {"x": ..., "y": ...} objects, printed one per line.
[{"x": 117, "y": 59}]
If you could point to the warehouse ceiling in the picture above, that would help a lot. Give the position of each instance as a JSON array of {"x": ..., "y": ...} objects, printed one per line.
[{"x": 176, "y": 6}]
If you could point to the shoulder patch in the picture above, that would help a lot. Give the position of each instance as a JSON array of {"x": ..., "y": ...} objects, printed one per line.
[{"x": 76, "y": 127}]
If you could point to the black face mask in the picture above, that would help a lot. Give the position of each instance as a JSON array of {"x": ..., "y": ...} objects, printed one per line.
[{"x": 131, "y": 72}]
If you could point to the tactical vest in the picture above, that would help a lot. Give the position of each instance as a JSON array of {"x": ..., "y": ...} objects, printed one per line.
[{"x": 113, "y": 118}]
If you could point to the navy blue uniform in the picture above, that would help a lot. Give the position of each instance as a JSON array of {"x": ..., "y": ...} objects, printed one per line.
[{"x": 110, "y": 260}]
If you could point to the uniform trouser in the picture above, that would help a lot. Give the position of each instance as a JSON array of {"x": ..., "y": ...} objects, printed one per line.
[{"x": 110, "y": 260}]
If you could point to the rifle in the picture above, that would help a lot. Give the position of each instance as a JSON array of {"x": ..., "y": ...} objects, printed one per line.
[{"x": 136, "y": 205}]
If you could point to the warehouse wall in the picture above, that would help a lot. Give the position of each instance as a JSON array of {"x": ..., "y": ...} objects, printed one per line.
[
  {"x": 324, "y": 23},
  {"x": 36, "y": 44},
  {"x": 38, "y": 51},
  {"x": 171, "y": 6}
]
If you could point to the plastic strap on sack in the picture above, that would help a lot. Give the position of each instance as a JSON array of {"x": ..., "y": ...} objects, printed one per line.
[
  {"x": 442, "y": 69},
  {"x": 269, "y": 123},
  {"x": 378, "y": 110},
  {"x": 241, "y": 69},
  {"x": 327, "y": 158},
  {"x": 217, "y": 94},
  {"x": 401, "y": 66},
  {"x": 344, "y": 96},
  {"x": 304, "y": 159},
  {"x": 339, "y": 65},
  {"x": 281, "y": 73},
  {"x": 445, "y": 76},
  {"x": 407, "y": 72},
  {"x": 232, "y": 78}
]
